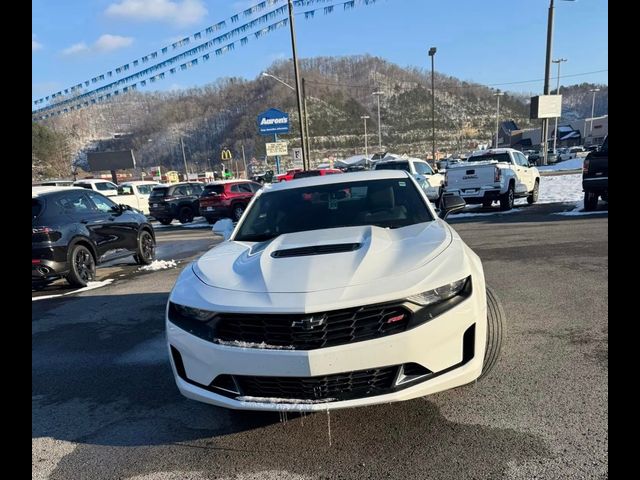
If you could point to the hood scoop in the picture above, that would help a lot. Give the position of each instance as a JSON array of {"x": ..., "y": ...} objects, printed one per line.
[{"x": 316, "y": 250}]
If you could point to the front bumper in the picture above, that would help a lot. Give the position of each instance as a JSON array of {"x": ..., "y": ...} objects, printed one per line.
[
  {"x": 476, "y": 195},
  {"x": 437, "y": 345},
  {"x": 48, "y": 263}
]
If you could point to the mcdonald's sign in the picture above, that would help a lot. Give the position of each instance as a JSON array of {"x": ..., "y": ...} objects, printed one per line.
[{"x": 226, "y": 154}]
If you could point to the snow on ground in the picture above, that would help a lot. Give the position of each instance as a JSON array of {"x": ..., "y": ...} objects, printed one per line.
[
  {"x": 560, "y": 188},
  {"x": 90, "y": 286},
  {"x": 572, "y": 164},
  {"x": 579, "y": 210},
  {"x": 469, "y": 212},
  {"x": 159, "y": 265},
  {"x": 239, "y": 343},
  {"x": 201, "y": 223}
]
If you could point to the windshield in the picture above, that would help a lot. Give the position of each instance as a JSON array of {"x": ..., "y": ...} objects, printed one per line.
[
  {"x": 36, "y": 208},
  {"x": 214, "y": 189},
  {"x": 500, "y": 157},
  {"x": 389, "y": 203},
  {"x": 159, "y": 192},
  {"x": 393, "y": 166}
]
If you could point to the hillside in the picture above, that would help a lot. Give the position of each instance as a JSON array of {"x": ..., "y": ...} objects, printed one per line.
[{"x": 339, "y": 92}]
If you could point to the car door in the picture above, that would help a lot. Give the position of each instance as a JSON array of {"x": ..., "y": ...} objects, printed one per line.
[
  {"x": 77, "y": 207},
  {"x": 120, "y": 227},
  {"x": 194, "y": 190},
  {"x": 525, "y": 172}
]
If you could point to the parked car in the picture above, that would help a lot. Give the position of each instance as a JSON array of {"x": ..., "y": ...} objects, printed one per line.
[
  {"x": 577, "y": 149},
  {"x": 342, "y": 300},
  {"x": 285, "y": 177},
  {"x": 318, "y": 172},
  {"x": 75, "y": 229},
  {"x": 226, "y": 199},
  {"x": 500, "y": 174},
  {"x": 593, "y": 148},
  {"x": 533, "y": 156},
  {"x": 178, "y": 200},
  {"x": 98, "y": 185},
  {"x": 135, "y": 194},
  {"x": 430, "y": 181},
  {"x": 595, "y": 176},
  {"x": 566, "y": 154},
  {"x": 262, "y": 178}
]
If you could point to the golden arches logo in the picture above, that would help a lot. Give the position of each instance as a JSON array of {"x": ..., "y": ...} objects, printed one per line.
[{"x": 226, "y": 154}]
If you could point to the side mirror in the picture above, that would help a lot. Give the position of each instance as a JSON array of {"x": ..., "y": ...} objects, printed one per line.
[
  {"x": 224, "y": 228},
  {"x": 450, "y": 204}
]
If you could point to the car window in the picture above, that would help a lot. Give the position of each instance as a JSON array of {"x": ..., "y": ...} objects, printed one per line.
[
  {"x": 180, "y": 191},
  {"x": 423, "y": 168},
  {"x": 145, "y": 189},
  {"x": 244, "y": 188},
  {"x": 36, "y": 208},
  {"x": 105, "y": 186},
  {"x": 196, "y": 188},
  {"x": 101, "y": 202},
  {"x": 84, "y": 185},
  {"x": 235, "y": 188},
  {"x": 125, "y": 190},
  {"x": 74, "y": 202},
  {"x": 393, "y": 166},
  {"x": 499, "y": 157},
  {"x": 255, "y": 187}
]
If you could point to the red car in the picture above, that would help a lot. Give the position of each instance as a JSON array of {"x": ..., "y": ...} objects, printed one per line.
[
  {"x": 316, "y": 173},
  {"x": 226, "y": 199},
  {"x": 285, "y": 177}
]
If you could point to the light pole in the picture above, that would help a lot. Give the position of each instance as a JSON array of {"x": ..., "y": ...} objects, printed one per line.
[
  {"x": 498, "y": 94},
  {"x": 303, "y": 142},
  {"x": 432, "y": 54},
  {"x": 184, "y": 158},
  {"x": 555, "y": 130},
  {"x": 593, "y": 107},
  {"x": 377, "y": 94},
  {"x": 366, "y": 151},
  {"x": 547, "y": 73}
]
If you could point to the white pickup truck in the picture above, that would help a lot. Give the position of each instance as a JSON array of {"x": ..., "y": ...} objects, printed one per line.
[
  {"x": 135, "y": 194},
  {"x": 499, "y": 174}
]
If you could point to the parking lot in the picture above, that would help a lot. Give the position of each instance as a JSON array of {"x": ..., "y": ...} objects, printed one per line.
[{"x": 104, "y": 403}]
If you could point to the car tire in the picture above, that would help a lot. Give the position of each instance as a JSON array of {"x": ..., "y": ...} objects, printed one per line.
[
  {"x": 166, "y": 221},
  {"x": 496, "y": 320},
  {"x": 507, "y": 199},
  {"x": 237, "y": 211},
  {"x": 186, "y": 215},
  {"x": 146, "y": 249},
  {"x": 82, "y": 266},
  {"x": 590, "y": 201},
  {"x": 533, "y": 198}
]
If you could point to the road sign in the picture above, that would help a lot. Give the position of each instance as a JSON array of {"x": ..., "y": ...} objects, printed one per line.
[
  {"x": 273, "y": 121},
  {"x": 296, "y": 154},
  {"x": 277, "y": 148}
]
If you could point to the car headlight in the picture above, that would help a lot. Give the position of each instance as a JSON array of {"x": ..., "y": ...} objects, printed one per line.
[
  {"x": 200, "y": 323},
  {"x": 192, "y": 313},
  {"x": 439, "y": 294}
]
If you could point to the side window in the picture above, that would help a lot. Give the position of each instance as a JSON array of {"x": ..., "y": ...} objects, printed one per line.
[
  {"x": 423, "y": 168},
  {"x": 145, "y": 189},
  {"x": 125, "y": 190},
  {"x": 523, "y": 160},
  {"x": 235, "y": 188},
  {"x": 101, "y": 186},
  {"x": 196, "y": 189},
  {"x": 101, "y": 202},
  {"x": 74, "y": 202},
  {"x": 180, "y": 191},
  {"x": 245, "y": 188},
  {"x": 255, "y": 187}
]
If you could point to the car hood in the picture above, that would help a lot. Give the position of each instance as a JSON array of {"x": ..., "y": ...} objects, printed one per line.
[{"x": 383, "y": 254}]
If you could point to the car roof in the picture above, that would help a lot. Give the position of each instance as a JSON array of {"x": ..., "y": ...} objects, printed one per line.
[
  {"x": 341, "y": 178},
  {"x": 42, "y": 190},
  {"x": 224, "y": 182},
  {"x": 91, "y": 180},
  {"x": 491, "y": 151},
  {"x": 140, "y": 182}
]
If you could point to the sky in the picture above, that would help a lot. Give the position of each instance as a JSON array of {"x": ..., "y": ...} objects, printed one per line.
[{"x": 492, "y": 42}]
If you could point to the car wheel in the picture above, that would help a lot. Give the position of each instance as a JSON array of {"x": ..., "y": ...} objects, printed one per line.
[
  {"x": 186, "y": 215},
  {"x": 506, "y": 200},
  {"x": 590, "y": 201},
  {"x": 496, "y": 319},
  {"x": 166, "y": 221},
  {"x": 146, "y": 250},
  {"x": 82, "y": 266},
  {"x": 238, "y": 210},
  {"x": 533, "y": 198}
]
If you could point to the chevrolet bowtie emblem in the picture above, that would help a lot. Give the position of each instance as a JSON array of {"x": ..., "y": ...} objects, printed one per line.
[{"x": 309, "y": 323}]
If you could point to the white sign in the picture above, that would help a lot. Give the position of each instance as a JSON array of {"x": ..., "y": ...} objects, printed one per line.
[
  {"x": 297, "y": 154},
  {"x": 277, "y": 148},
  {"x": 546, "y": 106}
]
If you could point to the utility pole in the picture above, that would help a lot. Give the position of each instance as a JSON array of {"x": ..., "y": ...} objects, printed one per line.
[
  {"x": 547, "y": 73},
  {"x": 366, "y": 151},
  {"x": 498, "y": 94},
  {"x": 305, "y": 164},
  {"x": 306, "y": 120},
  {"x": 432, "y": 54},
  {"x": 244, "y": 160},
  {"x": 377, "y": 94},
  {"x": 555, "y": 130},
  {"x": 184, "y": 158}
]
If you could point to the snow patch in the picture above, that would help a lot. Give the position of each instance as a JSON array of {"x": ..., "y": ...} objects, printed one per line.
[
  {"x": 263, "y": 345},
  {"x": 90, "y": 286},
  {"x": 571, "y": 164},
  {"x": 159, "y": 265},
  {"x": 578, "y": 210}
]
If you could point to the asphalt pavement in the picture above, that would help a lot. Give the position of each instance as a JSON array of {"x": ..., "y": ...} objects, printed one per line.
[{"x": 104, "y": 404}]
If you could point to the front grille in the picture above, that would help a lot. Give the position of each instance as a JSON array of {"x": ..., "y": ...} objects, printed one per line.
[
  {"x": 309, "y": 331},
  {"x": 342, "y": 386}
]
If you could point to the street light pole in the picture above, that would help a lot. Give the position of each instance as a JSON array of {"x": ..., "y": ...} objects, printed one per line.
[
  {"x": 377, "y": 94},
  {"x": 498, "y": 94},
  {"x": 593, "y": 106},
  {"x": 303, "y": 142},
  {"x": 555, "y": 130},
  {"x": 184, "y": 159},
  {"x": 432, "y": 54},
  {"x": 366, "y": 151}
]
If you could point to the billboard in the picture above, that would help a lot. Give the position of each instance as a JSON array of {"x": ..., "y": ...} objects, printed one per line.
[
  {"x": 277, "y": 148},
  {"x": 546, "y": 106},
  {"x": 107, "y": 161},
  {"x": 273, "y": 121}
]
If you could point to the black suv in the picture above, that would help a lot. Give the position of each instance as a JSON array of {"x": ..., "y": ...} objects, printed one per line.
[
  {"x": 595, "y": 176},
  {"x": 180, "y": 200},
  {"x": 74, "y": 229}
]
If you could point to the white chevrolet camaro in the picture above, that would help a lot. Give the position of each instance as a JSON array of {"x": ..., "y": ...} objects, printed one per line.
[{"x": 333, "y": 292}]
